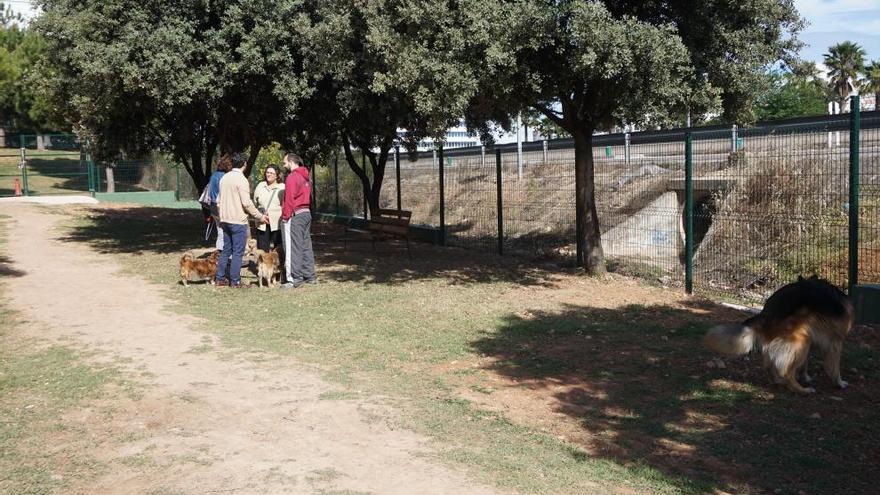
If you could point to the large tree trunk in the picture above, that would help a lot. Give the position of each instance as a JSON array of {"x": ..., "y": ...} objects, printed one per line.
[
  {"x": 589, "y": 237},
  {"x": 111, "y": 180}
]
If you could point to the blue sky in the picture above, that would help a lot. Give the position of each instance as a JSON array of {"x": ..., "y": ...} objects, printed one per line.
[
  {"x": 833, "y": 21},
  {"x": 830, "y": 22}
]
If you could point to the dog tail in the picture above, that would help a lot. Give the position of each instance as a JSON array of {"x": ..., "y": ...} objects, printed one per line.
[{"x": 731, "y": 339}]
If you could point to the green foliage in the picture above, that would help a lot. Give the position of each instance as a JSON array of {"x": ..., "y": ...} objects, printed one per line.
[
  {"x": 845, "y": 61},
  {"x": 191, "y": 79},
  {"x": 269, "y": 155},
  {"x": 871, "y": 83},
  {"x": 790, "y": 95},
  {"x": 22, "y": 106}
]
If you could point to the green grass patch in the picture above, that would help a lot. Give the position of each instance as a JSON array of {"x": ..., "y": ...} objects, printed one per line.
[
  {"x": 39, "y": 384},
  {"x": 433, "y": 332}
]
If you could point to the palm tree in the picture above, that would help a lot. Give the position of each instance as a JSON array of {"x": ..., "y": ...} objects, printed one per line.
[
  {"x": 844, "y": 61},
  {"x": 872, "y": 81}
]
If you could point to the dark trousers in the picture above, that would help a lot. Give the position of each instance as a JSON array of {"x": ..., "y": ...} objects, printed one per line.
[
  {"x": 235, "y": 237},
  {"x": 265, "y": 238},
  {"x": 300, "y": 260}
]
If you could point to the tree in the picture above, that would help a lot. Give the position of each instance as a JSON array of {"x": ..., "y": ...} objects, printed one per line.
[
  {"x": 591, "y": 65},
  {"x": 194, "y": 79},
  {"x": 872, "y": 81},
  {"x": 21, "y": 105},
  {"x": 844, "y": 61},
  {"x": 377, "y": 66},
  {"x": 791, "y": 94}
]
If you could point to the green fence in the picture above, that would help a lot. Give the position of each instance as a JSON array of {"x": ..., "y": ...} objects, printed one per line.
[
  {"x": 60, "y": 164},
  {"x": 766, "y": 203}
]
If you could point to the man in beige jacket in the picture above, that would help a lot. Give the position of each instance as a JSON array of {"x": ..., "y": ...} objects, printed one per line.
[{"x": 234, "y": 203}]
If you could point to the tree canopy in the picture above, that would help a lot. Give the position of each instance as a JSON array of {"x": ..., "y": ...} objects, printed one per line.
[
  {"x": 590, "y": 65},
  {"x": 22, "y": 106},
  {"x": 191, "y": 78},
  {"x": 196, "y": 78}
]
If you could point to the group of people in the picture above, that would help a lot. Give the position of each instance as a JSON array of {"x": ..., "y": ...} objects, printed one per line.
[{"x": 281, "y": 210}]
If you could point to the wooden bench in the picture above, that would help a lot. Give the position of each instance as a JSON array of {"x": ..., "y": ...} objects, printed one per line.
[{"x": 383, "y": 225}]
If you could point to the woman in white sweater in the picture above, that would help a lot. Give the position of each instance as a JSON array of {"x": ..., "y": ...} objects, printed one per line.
[{"x": 268, "y": 196}]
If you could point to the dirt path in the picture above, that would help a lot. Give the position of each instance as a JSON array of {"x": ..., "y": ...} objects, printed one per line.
[{"x": 207, "y": 423}]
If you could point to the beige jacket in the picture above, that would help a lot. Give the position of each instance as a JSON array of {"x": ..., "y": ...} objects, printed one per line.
[
  {"x": 234, "y": 199},
  {"x": 262, "y": 195}
]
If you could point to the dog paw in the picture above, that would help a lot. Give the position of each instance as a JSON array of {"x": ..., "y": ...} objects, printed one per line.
[
  {"x": 842, "y": 384},
  {"x": 809, "y": 390}
]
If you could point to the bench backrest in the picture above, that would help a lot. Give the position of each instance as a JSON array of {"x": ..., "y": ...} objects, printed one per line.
[{"x": 390, "y": 221}]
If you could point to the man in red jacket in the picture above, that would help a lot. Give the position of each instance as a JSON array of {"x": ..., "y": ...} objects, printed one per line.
[{"x": 296, "y": 221}]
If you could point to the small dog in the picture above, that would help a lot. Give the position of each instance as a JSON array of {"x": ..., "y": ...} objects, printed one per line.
[
  {"x": 268, "y": 264},
  {"x": 193, "y": 269},
  {"x": 809, "y": 311}
]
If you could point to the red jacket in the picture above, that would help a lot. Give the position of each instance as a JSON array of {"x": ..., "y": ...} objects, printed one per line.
[{"x": 297, "y": 193}]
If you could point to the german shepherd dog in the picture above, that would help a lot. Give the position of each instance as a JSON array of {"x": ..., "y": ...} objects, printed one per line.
[{"x": 809, "y": 311}]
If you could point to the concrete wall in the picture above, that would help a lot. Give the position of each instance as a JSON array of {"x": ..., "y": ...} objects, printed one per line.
[{"x": 653, "y": 234}]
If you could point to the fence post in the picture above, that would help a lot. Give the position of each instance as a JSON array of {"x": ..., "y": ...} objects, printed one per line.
[
  {"x": 336, "y": 179},
  {"x": 545, "y": 147},
  {"x": 23, "y": 166},
  {"x": 397, "y": 175},
  {"x": 364, "y": 188},
  {"x": 626, "y": 154},
  {"x": 442, "y": 199},
  {"x": 733, "y": 138},
  {"x": 177, "y": 190},
  {"x": 314, "y": 195},
  {"x": 482, "y": 156},
  {"x": 500, "y": 201},
  {"x": 24, "y": 178},
  {"x": 854, "y": 131},
  {"x": 688, "y": 214}
]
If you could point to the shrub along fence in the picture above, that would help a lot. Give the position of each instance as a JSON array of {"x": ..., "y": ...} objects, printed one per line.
[{"x": 728, "y": 211}]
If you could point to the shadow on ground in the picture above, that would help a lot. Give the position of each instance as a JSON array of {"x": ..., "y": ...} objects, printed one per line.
[
  {"x": 118, "y": 229},
  {"x": 635, "y": 387},
  {"x": 7, "y": 270}
]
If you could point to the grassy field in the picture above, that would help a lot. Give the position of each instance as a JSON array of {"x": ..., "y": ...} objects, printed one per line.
[
  {"x": 41, "y": 449},
  {"x": 542, "y": 382}
]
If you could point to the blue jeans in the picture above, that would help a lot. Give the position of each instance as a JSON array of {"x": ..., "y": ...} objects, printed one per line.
[{"x": 235, "y": 237}]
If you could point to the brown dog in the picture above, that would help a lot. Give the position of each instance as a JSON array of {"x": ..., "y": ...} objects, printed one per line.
[
  {"x": 192, "y": 268},
  {"x": 268, "y": 263},
  {"x": 809, "y": 311}
]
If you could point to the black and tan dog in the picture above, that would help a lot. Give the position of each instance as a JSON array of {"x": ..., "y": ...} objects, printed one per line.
[{"x": 806, "y": 312}]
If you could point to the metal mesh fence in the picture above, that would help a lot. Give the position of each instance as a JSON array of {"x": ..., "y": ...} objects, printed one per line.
[
  {"x": 55, "y": 164},
  {"x": 420, "y": 189},
  {"x": 769, "y": 202},
  {"x": 869, "y": 200},
  {"x": 471, "y": 201},
  {"x": 772, "y": 206},
  {"x": 639, "y": 195}
]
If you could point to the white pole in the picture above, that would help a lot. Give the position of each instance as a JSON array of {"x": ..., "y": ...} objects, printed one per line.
[
  {"x": 837, "y": 110},
  {"x": 545, "y": 152},
  {"x": 519, "y": 157},
  {"x": 626, "y": 145},
  {"x": 482, "y": 155},
  {"x": 830, "y": 112}
]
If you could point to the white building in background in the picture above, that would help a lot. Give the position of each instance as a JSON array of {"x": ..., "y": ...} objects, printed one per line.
[
  {"x": 459, "y": 137},
  {"x": 456, "y": 137}
]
